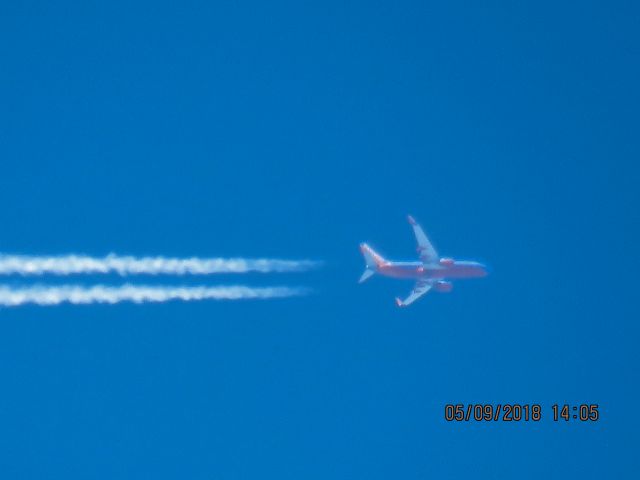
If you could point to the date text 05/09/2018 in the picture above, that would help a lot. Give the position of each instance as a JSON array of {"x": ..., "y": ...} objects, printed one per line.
[{"x": 516, "y": 412}]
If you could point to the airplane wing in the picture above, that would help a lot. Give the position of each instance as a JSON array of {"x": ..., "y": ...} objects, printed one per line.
[
  {"x": 421, "y": 287},
  {"x": 426, "y": 251}
]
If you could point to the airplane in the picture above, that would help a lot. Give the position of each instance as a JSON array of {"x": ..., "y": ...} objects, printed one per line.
[{"x": 431, "y": 272}]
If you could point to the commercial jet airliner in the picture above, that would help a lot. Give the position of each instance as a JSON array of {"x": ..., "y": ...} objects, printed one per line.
[{"x": 430, "y": 272}]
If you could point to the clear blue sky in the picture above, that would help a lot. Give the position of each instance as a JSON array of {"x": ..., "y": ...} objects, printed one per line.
[{"x": 298, "y": 130}]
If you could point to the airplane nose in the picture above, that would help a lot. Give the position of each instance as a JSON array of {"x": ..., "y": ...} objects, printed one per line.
[{"x": 486, "y": 269}]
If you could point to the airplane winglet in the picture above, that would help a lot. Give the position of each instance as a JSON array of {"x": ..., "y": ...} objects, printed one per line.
[{"x": 412, "y": 220}]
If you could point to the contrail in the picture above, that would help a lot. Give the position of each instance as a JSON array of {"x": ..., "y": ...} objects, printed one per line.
[
  {"x": 55, "y": 295},
  {"x": 129, "y": 265}
]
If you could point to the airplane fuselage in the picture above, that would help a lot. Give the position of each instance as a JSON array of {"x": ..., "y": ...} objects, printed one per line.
[{"x": 436, "y": 271}]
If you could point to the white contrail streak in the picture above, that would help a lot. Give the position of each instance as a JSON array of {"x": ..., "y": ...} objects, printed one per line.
[
  {"x": 129, "y": 265},
  {"x": 55, "y": 295}
]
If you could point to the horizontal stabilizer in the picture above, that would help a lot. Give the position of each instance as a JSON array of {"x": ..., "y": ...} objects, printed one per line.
[{"x": 367, "y": 273}]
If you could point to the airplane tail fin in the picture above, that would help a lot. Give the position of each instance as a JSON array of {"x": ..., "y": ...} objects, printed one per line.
[{"x": 372, "y": 259}]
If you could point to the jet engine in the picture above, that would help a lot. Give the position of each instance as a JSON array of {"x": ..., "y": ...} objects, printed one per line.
[
  {"x": 446, "y": 261},
  {"x": 443, "y": 287}
]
